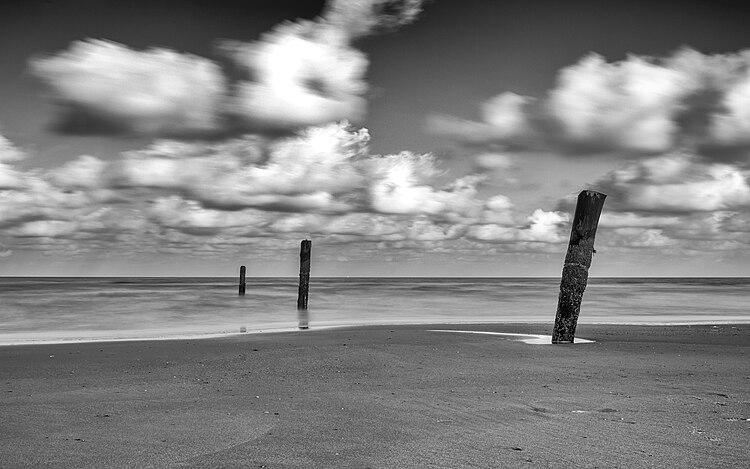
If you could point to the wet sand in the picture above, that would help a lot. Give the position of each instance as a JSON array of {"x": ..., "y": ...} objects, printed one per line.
[{"x": 384, "y": 397}]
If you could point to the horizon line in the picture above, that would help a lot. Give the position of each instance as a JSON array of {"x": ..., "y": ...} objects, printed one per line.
[{"x": 371, "y": 276}]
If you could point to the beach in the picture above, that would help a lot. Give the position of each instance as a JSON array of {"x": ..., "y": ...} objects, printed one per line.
[{"x": 384, "y": 396}]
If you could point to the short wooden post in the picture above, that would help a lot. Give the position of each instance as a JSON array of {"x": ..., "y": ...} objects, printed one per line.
[
  {"x": 242, "y": 280},
  {"x": 304, "y": 273},
  {"x": 577, "y": 262}
]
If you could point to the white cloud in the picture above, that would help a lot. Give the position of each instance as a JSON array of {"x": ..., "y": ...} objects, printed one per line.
[
  {"x": 545, "y": 227},
  {"x": 505, "y": 120},
  {"x": 638, "y": 106},
  {"x": 492, "y": 162},
  {"x": 480, "y": 134},
  {"x": 299, "y": 223},
  {"x": 38, "y": 199},
  {"x": 105, "y": 86},
  {"x": 9, "y": 153},
  {"x": 635, "y": 220},
  {"x": 84, "y": 172},
  {"x": 307, "y": 73},
  {"x": 322, "y": 169},
  {"x": 365, "y": 225},
  {"x": 315, "y": 170},
  {"x": 541, "y": 227},
  {"x": 10, "y": 178},
  {"x": 735, "y": 222},
  {"x": 677, "y": 200},
  {"x": 357, "y": 18},
  {"x": 630, "y": 105},
  {"x": 304, "y": 74},
  {"x": 400, "y": 186},
  {"x": 730, "y": 125},
  {"x": 639, "y": 238},
  {"x": 506, "y": 114},
  {"x": 494, "y": 233},
  {"x": 190, "y": 217},
  {"x": 193, "y": 198},
  {"x": 178, "y": 197},
  {"x": 45, "y": 229},
  {"x": 676, "y": 183},
  {"x": 422, "y": 229},
  {"x": 498, "y": 210}
]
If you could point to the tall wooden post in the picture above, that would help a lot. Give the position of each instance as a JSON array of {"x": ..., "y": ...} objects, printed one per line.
[
  {"x": 575, "y": 272},
  {"x": 242, "y": 280},
  {"x": 304, "y": 273}
]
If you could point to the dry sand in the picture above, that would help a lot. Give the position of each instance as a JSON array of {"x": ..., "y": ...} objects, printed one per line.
[{"x": 382, "y": 397}]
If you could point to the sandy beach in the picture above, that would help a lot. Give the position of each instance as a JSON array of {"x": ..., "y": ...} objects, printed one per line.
[{"x": 382, "y": 397}]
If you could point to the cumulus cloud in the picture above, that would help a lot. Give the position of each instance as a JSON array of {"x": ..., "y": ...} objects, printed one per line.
[
  {"x": 209, "y": 197},
  {"x": 540, "y": 227},
  {"x": 636, "y": 220},
  {"x": 363, "y": 225},
  {"x": 85, "y": 172},
  {"x": 629, "y": 105},
  {"x": 637, "y": 106},
  {"x": 498, "y": 209},
  {"x": 10, "y": 178},
  {"x": 400, "y": 186},
  {"x": 545, "y": 227},
  {"x": 639, "y": 238},
  {"x": 201, "y": 197},
  {"x": 299, "y": 74},
  {"x": 190, "y": 217},
  {"x": 308, "y": 73},
  {"x": 308, "y": 172},
  {"x": 35, "y": 198},
  {"x": 677, "y": 200},
  {"x": 506, "y": 123},
  {"x": 103, "y": 86},
  {"x": 681, "y": 123},
  {"x": 321, "y": 169},
  {"x": 676, "y": 183},
  {"x": 492, "y": 162},
  {"x": 9, "y": 153},
  {"x": 61, "y": 203},
  {"x": 4, "y": 251},
  {"x": 45, "y": 229},
  {"x": 359, "y": 18},
  {"x": 304, "y": 75}
]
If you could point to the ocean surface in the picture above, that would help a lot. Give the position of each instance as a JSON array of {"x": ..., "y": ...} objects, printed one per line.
[{"x": 43, "y": 309}]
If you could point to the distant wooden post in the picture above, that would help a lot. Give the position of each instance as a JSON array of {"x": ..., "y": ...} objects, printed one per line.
[
  {"x": 577, "y": 262},
  {"x": 304, "y": 273},
  {"x": 242, "y": 280}
]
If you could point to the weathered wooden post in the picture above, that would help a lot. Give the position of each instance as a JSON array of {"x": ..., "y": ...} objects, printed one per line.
[
  {"x": 242, "y": 280},
  {"x": 577, "y": 262},
  {"x": 304, "y": 273}
]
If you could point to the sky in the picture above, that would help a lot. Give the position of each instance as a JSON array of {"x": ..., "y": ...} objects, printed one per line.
[{"x": 404, "y": 137}]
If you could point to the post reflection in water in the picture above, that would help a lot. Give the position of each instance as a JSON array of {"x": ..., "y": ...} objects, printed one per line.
[{"x": 303, "y": 319}]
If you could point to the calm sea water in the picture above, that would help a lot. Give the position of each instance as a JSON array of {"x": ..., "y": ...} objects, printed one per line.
[{"x": 53, "y": 309}]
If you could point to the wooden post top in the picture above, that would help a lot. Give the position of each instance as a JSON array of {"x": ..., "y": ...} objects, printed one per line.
[
  {"x": 305, "y": 245},
  {"x": 586, "y": 217}
]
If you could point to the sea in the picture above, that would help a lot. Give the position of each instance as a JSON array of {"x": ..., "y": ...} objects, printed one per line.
[{"x": 62, "y": 309}]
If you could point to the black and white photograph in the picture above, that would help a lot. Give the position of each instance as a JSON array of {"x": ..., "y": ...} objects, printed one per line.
[{"x": 374, "y": 234}]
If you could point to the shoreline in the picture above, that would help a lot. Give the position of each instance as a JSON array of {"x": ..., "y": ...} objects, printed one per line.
[
  {"x": 384, "y": 396},
  {"x": 218, "y": 335}
]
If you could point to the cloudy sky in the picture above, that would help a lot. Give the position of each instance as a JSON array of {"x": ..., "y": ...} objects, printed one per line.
[{"x": 187, "y": 137}]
